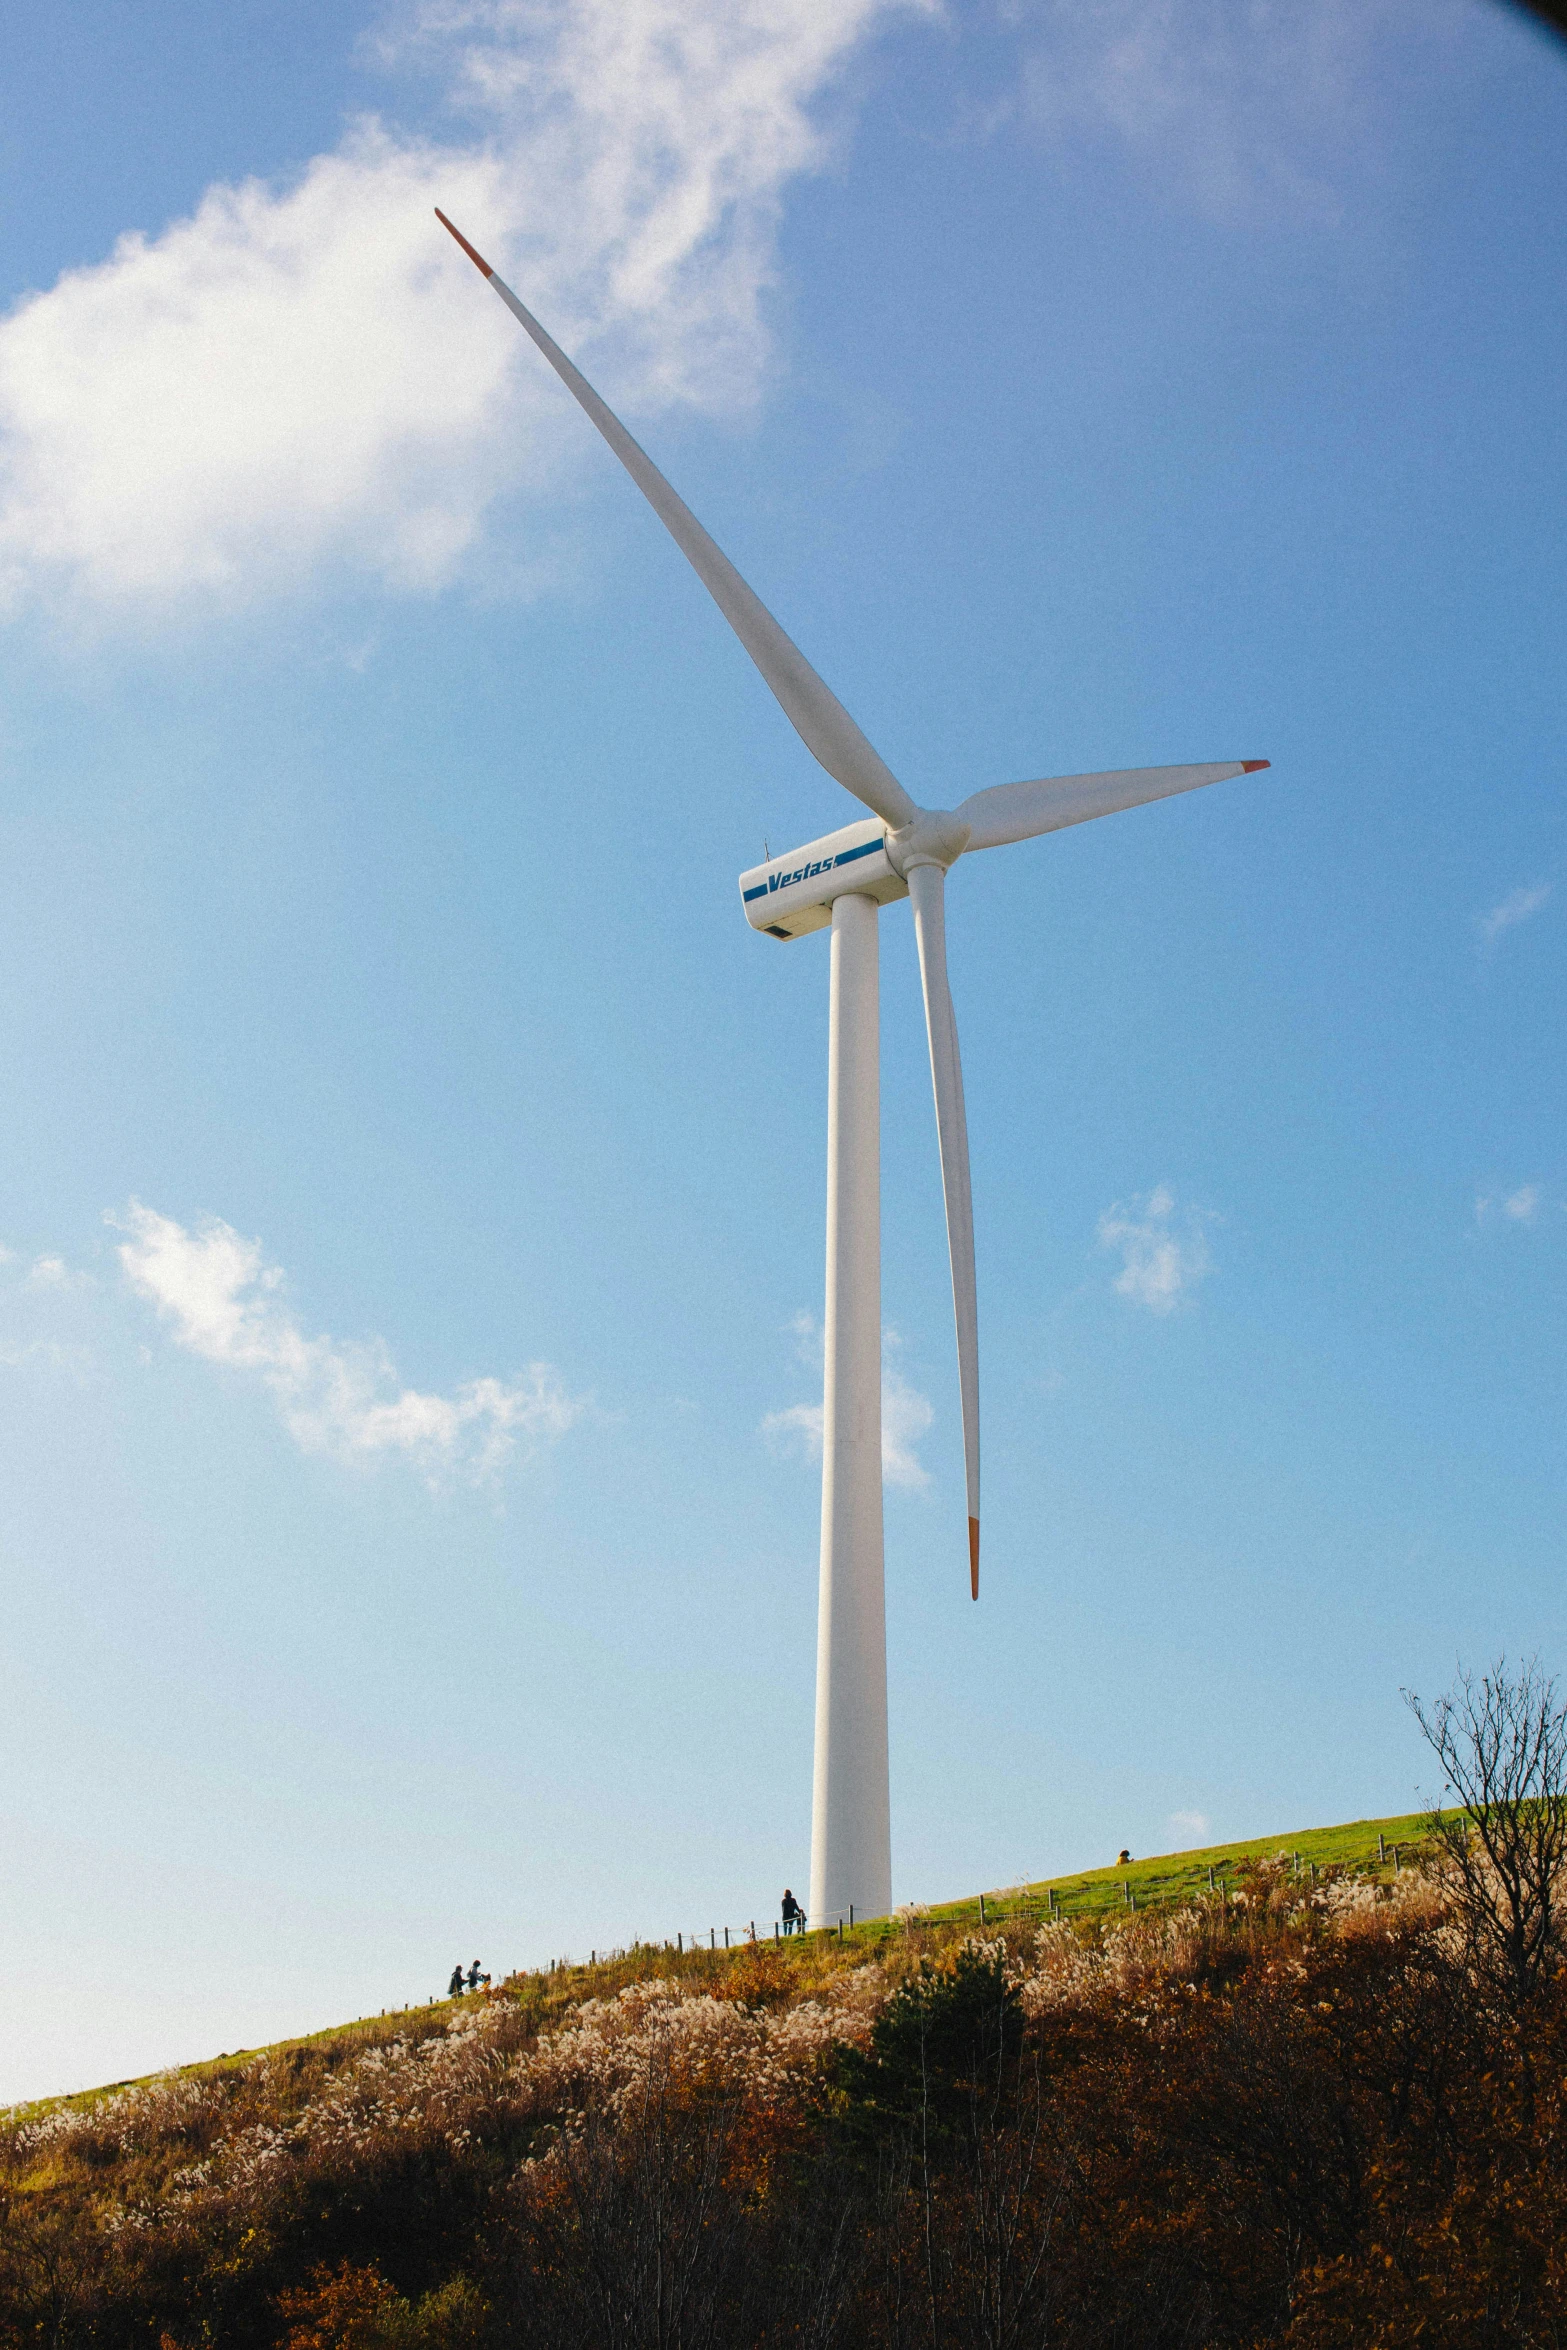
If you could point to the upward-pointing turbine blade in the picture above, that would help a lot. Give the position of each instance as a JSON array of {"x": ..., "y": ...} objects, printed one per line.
[
  {"x": 927, "y": 893},
  {"x": 813, "y": 710},
  {"x": 1019, "y": 811}
]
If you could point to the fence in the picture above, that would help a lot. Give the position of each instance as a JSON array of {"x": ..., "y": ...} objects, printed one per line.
[{"x": 1089, "y": 1897}]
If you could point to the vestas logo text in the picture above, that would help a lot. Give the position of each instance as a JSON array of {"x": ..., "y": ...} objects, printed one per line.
[
  {"x": 800, "y": 873},
  {"x": 778, "y": 881}
]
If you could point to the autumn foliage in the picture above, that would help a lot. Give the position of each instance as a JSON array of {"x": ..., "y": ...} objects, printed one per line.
[{"x": 1300, "y": 2117}]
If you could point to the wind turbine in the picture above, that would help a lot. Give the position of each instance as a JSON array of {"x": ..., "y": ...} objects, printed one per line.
[{"x": 842, "y": 881}]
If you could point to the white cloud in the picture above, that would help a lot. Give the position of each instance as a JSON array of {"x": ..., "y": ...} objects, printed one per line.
[
  {"x": 806, "y": 1330},
  {"x": 1515, "y": 908},
  {"x": 75, "y": 1361},
  {"x": 801, "y": 1421},
  {"x": 225, "y": 1305},
  {"x": 55, "y": 1273},
  {"x": 1519, "y": 1207},
  {"x": 906, "y": 1415},
  {"x": 309, "y": 375},
  {"x": 1260, "y": 108},
  {"x": 1189, "y": 1823},
  {"x": 42, "y": 1294},
  {"x": 1159, "y": 1265}
]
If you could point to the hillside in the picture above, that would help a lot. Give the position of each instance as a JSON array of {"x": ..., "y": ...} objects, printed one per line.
[
  {"x": 1355, "y": 1848},
  {"x": 1368, "y": 1848},
  {"x": 1304, "y": 2108}
]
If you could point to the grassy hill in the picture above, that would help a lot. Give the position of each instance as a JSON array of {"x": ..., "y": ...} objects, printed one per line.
[
  {"x": 1369, "y": 1848},
  {"x": 1250, "y": 2110},
  {"x": 1365, "y": 1847}
]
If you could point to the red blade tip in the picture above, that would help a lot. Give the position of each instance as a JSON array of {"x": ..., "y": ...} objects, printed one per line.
[
  {"x": 1248, "y": 766},
  {"x": 973, "y": 1558},
  {"x": 477, "y": 259}
]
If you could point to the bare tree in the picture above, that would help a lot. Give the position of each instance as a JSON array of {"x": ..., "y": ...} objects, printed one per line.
[
  {"x": 1501, "y": 1852},
  {"x": 646, "y": 2237}
]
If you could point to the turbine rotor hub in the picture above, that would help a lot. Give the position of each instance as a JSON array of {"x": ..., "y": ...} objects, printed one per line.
[{"x": 936, "y": 837}]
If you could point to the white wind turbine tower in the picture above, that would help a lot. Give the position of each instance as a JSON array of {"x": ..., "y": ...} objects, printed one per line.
[{"x": 900, "y": 850}]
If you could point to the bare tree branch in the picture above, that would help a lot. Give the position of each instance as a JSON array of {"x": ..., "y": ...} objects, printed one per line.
[{"x": 1501, "y": 1851}]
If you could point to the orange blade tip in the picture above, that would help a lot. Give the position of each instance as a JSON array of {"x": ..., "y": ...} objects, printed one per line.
[
  {"x": 477, "y": 259},
  {"x": 973, "y": 1558},
  {"x": 1248, "y": 766}
]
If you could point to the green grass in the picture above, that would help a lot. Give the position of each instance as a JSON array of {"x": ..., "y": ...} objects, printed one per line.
[
  {"x": 1179, "y": 1876},
  {"x": 1169, "y": 1878}
]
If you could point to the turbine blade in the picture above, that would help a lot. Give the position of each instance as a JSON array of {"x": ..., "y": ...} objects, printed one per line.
[
  {"x": 813, "y": 710},
  {"x": 927, "y": 892},
  {"x": 1019, "y": 811}
]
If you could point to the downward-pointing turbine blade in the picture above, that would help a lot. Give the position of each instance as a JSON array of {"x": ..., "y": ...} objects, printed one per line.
[
  {"x": 813, "y": 710},
  {"x": 927, "y": 892},
  {"x": 1019, "y": 811}
]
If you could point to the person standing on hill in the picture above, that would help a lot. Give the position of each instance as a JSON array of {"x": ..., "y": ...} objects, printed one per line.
[
  {"x": 454, "y": 1987},
  {"x": 473, "y": 1977},
  {"x": 790, "y": 1910}
]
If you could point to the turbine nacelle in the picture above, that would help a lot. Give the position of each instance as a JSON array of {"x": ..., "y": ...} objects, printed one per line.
[{"x": 791, "y": 895}]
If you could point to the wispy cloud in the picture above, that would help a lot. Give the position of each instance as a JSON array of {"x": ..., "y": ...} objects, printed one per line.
[
  {"x": 906, "y": 1415},
  {"x": 55, "y": 1273},
  {"x": 226, "y": 1305},
  {"x": 1245, "y": 111},
  {"x": 76, "y": 1362},
  {"x": 307, "y": 376},
  {"x": 797, "y": 1422},
  {"x": 1515, "y": 908},
  {"x": 1189, "y": 1823},
  {"x": 1518, "y": 1207},
  {"x": 40, "y": 1298},
  {"x": 1160, "y": 1264}
]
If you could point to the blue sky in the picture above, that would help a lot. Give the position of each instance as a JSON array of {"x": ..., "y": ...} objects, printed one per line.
[{"x": 412, "y": 1170}]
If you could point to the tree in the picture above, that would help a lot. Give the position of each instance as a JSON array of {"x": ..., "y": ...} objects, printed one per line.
[
  {"x": 1501, "y": 1854},
  {"x": 948, "y": 2035}
]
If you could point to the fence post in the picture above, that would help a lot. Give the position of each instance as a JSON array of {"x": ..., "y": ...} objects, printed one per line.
[
  {"x": 840, "y": 1929},
  {"x": 777, "y": 1935},
  {"x": 1381, "y": 1848},
  {"x": 680, "y": 1943},
  {"x": 851, "y": 1916},
  {"x": 982, "y": 1909}
]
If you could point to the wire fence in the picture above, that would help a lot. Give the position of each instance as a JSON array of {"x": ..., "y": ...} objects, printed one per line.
[{"x": 1045, "y": 1904}]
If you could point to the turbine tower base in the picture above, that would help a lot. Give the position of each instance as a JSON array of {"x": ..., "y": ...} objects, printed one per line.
[{"x": 851, "y": 1832}]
